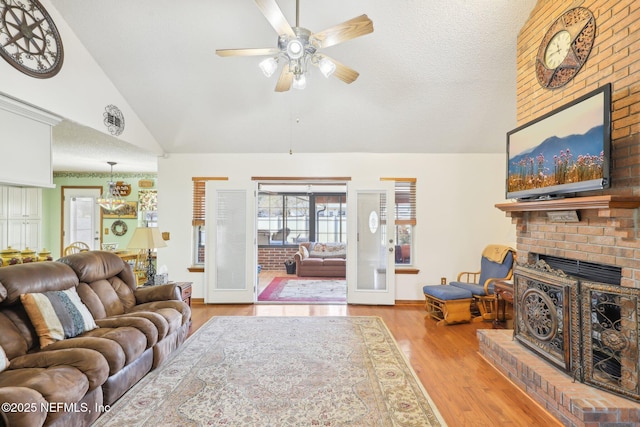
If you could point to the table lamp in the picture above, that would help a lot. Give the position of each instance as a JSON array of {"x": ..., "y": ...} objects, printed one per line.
[{"x": 148, "y": 238}]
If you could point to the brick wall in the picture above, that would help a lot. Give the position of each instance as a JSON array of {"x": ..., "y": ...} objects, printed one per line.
[
  {"x": 273, "y": 258},
  {"x": 605, "y": 236}
]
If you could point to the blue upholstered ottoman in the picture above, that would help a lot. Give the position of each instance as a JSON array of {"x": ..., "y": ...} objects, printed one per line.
[{"x": 448, "y": 304}]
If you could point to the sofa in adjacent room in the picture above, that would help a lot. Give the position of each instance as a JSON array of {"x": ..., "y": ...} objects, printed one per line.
[
  {"x": 321, "y": 259},
  {"x": 77, "y": 333}
]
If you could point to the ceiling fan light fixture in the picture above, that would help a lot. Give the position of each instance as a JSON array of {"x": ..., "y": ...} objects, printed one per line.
[
  {"x": 327, "y": 67},
  {"x": 295, "y": 49},
  {"x": 300, "y": 82},
  {"x": 268, "y": 66}
]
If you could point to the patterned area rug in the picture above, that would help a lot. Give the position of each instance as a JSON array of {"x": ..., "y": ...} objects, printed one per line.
[
  {"x": 292, "y": 289},
  {"x": 281, "y": 371}
]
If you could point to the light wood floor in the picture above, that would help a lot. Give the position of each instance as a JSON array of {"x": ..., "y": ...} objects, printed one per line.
[{"x": 465, "y": 388}]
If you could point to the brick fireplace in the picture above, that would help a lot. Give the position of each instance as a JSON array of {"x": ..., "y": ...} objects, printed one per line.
[
  {"x": 607, "y": 233},
  {"x": 608, "y": 228}
]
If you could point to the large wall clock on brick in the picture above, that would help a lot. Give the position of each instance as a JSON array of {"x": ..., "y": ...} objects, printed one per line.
[
  {"x": 29, "y": 40},
  {"x": 565, "y": 47}
]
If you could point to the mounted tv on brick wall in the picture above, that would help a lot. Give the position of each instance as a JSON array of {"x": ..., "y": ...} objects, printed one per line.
[{"x": 564, "y": 152}]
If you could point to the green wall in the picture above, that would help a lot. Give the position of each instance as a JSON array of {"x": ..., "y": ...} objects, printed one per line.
[{"x": 52, "y": 206}]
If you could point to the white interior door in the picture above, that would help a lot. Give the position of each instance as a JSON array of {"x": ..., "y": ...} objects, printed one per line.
[
  {"x": 230, "y": 258},
  {"x": 371, "y": 243},
  {"x": 81, "y": 216}
]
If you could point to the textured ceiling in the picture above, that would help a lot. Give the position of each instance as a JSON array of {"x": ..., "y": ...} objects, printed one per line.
[{"x": 435, "y": 76}]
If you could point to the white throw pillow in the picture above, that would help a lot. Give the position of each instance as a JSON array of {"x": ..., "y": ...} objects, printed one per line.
[{"x": 4, "y": 362}]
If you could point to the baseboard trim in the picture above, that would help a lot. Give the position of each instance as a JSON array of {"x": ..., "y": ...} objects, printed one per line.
[{"x": 398, "y": 302}]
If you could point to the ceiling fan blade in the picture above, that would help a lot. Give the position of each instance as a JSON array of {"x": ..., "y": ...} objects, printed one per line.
[
  {"x": 248, "y": 52},
  {"x": 274, "y": 15},
  {"x": 348, "y": 30},
  {"x": 285, "y": 80},
  {"x": 344, "y": 73}
]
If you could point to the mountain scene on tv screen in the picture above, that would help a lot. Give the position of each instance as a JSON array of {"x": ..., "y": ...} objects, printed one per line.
[{"x": 556, "y": 161}]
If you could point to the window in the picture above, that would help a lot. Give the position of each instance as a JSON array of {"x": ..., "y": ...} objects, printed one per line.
[
  {"x": 291, "y": 218},
  {"x": 405, "y": 199},
  {"x": 198, "y": 217},
  {"x": 283, "y": 219},
  {"x": 330, "y": 223}
]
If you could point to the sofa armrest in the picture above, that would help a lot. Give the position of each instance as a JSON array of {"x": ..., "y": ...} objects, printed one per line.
[
  {"x": 22, "y": 398},
  {"x": 166, "y": 292},
  {"x": 90, "y": 362}
]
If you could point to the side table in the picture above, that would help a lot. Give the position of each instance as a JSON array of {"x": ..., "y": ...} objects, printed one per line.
[
  {"x": 503, "y": 303},
  {"x": 185, "y": 290}
]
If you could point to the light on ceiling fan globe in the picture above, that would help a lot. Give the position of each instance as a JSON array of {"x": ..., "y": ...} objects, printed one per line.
[
  {"x": 327, "y": 67},
  {"x": 300, "y": 82},
  {"x": 295, "y": 49},
  {"x": 268, "y": 66}
]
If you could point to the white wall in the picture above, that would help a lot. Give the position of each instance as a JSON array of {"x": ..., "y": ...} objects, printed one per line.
[
  {"x": 456, "y": 194},
  {"x": 79, "y": 92}
]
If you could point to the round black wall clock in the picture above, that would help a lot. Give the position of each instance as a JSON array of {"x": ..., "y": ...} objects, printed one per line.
[
  {"x": 29, "y": 40},
  {"x": 565, "y": 47}
]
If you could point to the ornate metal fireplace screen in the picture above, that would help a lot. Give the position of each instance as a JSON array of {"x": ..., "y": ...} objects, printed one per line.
[{"x": 587, "y": 329}]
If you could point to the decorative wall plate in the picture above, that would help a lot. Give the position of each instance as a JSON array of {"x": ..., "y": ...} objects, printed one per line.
[
  {"x": 29, "y": 40},
  {"x": 113, "y": 120}
]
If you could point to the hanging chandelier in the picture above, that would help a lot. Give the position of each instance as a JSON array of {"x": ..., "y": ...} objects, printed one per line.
[{"x": 111, "y": 200}]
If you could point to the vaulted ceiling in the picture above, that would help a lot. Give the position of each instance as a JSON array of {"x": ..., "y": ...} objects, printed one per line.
[{"x": 436, "y": 76}]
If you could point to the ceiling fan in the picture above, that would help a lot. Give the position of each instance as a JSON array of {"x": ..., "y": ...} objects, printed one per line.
[{"x": 297, "y": 47}]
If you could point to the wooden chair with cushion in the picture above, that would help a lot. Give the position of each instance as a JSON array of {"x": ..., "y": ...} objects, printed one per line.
[
  {"x": 76, "y": 247},
  {"x": 496, "y": 264}
]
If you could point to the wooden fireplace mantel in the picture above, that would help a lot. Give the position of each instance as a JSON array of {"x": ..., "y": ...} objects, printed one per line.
[{"x": 573, "y": 203}]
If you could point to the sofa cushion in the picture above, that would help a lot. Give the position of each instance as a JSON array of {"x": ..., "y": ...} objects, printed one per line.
[
  {"x": 327, "y": 250},
  {"x": 140, "y": 323},
  {"x": 57, "y": 315},
  {"x": 474, "y": 288},
  {"x": 175, "y": 313},
  {"x": 107, "y": 282},
  {"x": 111, "y": 350},
  {"x": 132, "y": 342},
  {"x": 315, "y": 262},
  {"x": 4, "y": 361},
  {"x": 304, "y": 251},
  {"x": 334, "y": 261},
  {"x": 161, "y": 324},
  {"x": 35, "y": 277},
  {"x": 62, "y": 383},
  {"x": 90, "y": 362}
]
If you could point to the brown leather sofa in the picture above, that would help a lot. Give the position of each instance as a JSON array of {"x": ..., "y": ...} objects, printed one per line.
[
  {"x": 321, "y": 260},
  {"x": 69, "y": 381}
]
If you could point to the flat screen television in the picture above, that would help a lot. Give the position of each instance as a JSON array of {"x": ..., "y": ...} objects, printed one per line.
[{"x": 567, "y": 150}]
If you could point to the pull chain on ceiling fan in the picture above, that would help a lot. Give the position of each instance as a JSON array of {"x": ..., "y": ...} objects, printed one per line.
[{"x": 297, "y": 47}]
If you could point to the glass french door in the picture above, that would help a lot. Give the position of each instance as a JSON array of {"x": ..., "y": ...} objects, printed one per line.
[
  {"x": 230, "y": 259},
  {"x": 371, "y": 243}
]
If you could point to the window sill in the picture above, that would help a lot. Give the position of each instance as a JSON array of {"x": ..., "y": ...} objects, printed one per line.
[
  {"x": 406, "y": 270},
  {"x": 196, "y": 269}
]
